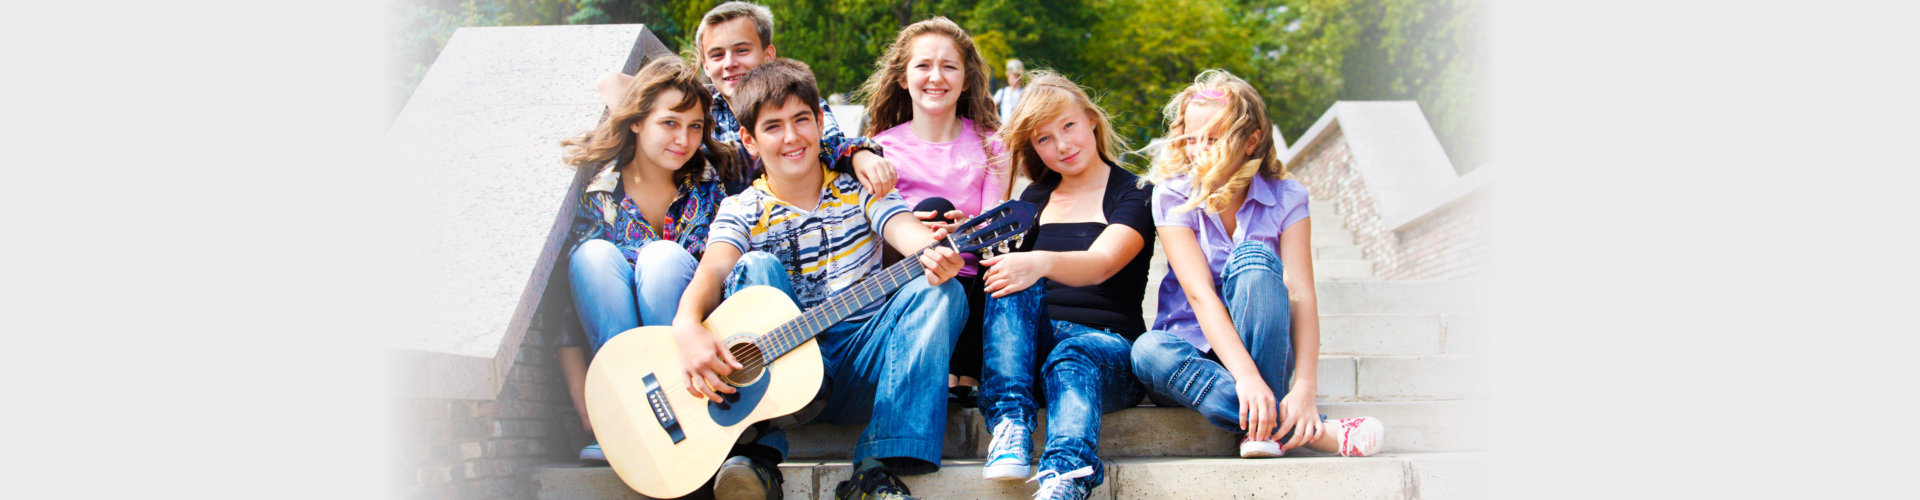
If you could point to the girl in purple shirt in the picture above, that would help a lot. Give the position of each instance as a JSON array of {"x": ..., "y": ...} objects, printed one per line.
[
  {"x": 1235, "y": 230},
  {"x": 928, "y": 108}
]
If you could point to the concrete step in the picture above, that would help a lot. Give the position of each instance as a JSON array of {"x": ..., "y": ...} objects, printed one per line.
[
  {"x": 1399, "y": 378},
  {"x": 1342, "y": 269},
  {"x": 1335, "y": 252},
  {"x": 1151, "y": 431},
  {"x": 1400, "y": 334},
  {"x": 1399, "y": 297},
  {"x": 1430, "y": 476},
  {"x": 1331, "y": 236}
]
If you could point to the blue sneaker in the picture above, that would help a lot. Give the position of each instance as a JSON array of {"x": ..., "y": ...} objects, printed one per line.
[
  {"x": 1057, "y": 486},
  {"x": 1007, "y": 454},
  {"x": 592, "y": 453}
]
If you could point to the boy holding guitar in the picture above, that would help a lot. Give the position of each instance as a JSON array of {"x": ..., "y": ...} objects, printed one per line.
[{"x": 812, "y": 233}]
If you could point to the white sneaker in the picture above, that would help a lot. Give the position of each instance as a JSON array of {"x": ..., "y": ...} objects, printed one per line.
[
  {"x": 1007, "y": 454},
  {"x": 1360, "y": 437},
  {"x": 1250, "y": 448},
  {"x": 1057, "y": 486}
]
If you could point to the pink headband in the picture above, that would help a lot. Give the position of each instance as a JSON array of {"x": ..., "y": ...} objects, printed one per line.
[{"x": 1209, "y": 94}]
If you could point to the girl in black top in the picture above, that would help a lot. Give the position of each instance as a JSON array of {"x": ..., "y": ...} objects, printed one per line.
[{"x": 1068, "y": 305}]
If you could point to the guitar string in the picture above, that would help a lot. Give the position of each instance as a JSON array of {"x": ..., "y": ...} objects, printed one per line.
[{"x": 758, "y": 361}]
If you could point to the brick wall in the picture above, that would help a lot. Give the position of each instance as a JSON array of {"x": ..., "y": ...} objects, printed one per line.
[
  {"x": 1448, "y": 243},
  {"x": 488, "y": 449}
]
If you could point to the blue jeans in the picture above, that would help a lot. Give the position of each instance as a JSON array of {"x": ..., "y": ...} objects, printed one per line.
[
  {"x": 1256, "y": 299},
  {"x": 888, "y": 372},
  {"x": 1087, "y": 372},
  {"x": 614, "y": 296}
]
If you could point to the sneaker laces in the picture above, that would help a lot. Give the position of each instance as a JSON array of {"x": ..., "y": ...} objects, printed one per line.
[
  {"x": 1002, "y": 442},
  {"x": 1057, "y": 484}
]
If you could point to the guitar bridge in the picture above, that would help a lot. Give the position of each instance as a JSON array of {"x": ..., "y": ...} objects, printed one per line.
[{"x": 662, "y": 411}]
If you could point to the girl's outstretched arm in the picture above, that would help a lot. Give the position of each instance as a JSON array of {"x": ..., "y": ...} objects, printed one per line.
[
  {"x": 1258, "y": 415},
  {"x": 1111, "y": 251},
  {"x": 1298, "y": 410}
]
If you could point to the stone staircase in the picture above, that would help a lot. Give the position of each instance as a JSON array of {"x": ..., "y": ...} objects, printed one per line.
[{"x": 1406, "y": 352}]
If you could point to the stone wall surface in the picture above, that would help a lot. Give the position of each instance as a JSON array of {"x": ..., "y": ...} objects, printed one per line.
[
  {"x": 481, "y": 204},
  {"x": 488, "y": 449}
]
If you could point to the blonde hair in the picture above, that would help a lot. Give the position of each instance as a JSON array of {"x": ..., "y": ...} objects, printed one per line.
[
  {"x": 1048, "y": 95},
  {"x": 614, "y": 139},
  {"x": 889, "y": 104},
  {"x": 762, "y": 21},
  {"x": 1224, "y": 168}
]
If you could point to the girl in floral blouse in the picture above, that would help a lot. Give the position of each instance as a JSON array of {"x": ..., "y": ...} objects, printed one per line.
[{"x": 642, "y": 221}]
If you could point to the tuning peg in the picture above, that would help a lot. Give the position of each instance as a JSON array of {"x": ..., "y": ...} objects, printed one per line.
[
  {"x": 1019, "y": 239},
  {"x": 986, "y": 253},
  {"x": 1004, "y": 248}
]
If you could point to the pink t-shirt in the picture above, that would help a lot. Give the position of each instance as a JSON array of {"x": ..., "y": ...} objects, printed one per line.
[{"x": 956, "y": 170}]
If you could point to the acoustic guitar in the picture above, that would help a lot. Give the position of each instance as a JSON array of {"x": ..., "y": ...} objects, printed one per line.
[{"x": 665, "y": 442}]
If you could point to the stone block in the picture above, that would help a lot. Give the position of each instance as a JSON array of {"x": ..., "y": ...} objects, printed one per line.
[
  {"x": 1336, "y": 252},
  {"x": 828, "y": 441},
  {"x": 1380, "y": 334},
  {"x": 1334, "y": 269},
  {"x": 1403, "y": 378},
  {"x": 1448, "y": 476},
  {"x": 957, "y": 479},
  {"x": 1338, "y": 378},
  {"x": 1398, "y": 297},
  {"x": 1331, "y": 236},
  {"x": 1422, "y": 425},
  {"x": 1466, "y": 333},
  {"x": 1295, "y": 477}
]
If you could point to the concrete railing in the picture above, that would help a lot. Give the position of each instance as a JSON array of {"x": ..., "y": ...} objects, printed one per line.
[{"x": 1382, "y": 168}]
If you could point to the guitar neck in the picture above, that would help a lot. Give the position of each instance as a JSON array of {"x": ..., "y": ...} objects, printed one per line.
[{"x": 871, "y": 289}]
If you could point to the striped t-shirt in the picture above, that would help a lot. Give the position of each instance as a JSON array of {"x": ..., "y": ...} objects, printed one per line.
[{"x": 827, "y": 250}]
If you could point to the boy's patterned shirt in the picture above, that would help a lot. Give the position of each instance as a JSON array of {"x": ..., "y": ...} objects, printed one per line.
[{"x": 826, "y": 250}]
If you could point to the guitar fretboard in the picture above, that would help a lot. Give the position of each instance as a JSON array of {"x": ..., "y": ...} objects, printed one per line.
[{"x": 838, "y": 307}]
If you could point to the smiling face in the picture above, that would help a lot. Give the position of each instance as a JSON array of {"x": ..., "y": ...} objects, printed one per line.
[
  {"x": 786, "y": 138},
  {"x": 1066, "y": 143},
  {"x": 935, "y": 76},
  {"x": 730, "y": 49},
  {"x": 666, "y": 138}
]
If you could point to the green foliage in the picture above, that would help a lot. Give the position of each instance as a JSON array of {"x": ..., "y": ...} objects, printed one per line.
[{"x": 1302, "y": 55}]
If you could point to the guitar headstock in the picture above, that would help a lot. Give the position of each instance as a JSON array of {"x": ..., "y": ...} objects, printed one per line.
[{"x": 1001, "y": 225}]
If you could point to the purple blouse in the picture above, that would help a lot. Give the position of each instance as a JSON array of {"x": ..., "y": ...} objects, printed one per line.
[{"x": 1272, "y": 206}]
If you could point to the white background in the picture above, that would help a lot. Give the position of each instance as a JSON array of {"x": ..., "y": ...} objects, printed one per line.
[{"x": 1703, "y": 223}]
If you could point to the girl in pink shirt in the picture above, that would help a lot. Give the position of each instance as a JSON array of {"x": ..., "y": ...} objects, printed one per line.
[{"x": 929, "y": 109}]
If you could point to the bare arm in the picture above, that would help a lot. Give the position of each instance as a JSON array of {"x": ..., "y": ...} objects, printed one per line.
[
  {"x": 1189, "y": 265},
  {"x": 995, "y": 189},
  {"x": 612, "y": 86},
  {"x": 907, "y": 235},
  {"x": 1116, "y": 246},
  {"x": 702, "y": 358},
  {"x": 1298, "y": 409}
]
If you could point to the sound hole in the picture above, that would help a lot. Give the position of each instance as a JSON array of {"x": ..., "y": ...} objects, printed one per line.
[{"x": 752, "y": 362}]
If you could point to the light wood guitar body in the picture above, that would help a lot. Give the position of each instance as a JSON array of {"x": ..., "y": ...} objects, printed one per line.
[{"x": 644, "y": 453}]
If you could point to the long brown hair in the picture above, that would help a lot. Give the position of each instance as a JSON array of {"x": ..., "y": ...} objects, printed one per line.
[
  {"x": 1045, "y": 97},
  {"x": 889, "y": 104},
  {"x": 614, "y": 139},
  {"x": 1225, "y": 168}
]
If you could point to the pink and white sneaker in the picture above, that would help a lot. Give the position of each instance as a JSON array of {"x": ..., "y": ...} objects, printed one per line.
[
  {"x": 1250, "y": 448},
  {"x": 1359, "y": 437}
]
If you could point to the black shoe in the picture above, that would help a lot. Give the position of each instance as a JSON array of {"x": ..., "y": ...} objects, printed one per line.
[
  {"x": 963, "y": 396},
  {"x": 871, "y": 481},
  {"x": 742, "y": 478}
]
